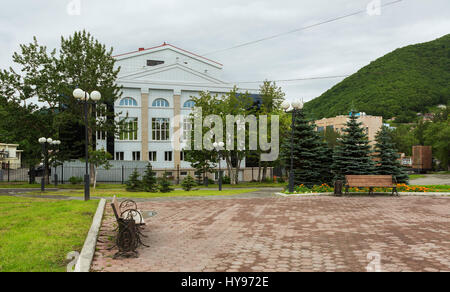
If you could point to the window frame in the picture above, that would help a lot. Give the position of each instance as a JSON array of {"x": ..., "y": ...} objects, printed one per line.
[
  {"x": 126, "y": 99},
  {"x": 158, "y": 103},
  {"x": 129, "y": 130},
  {"x": 170, "y": 154},
  {"x": 160, "y": 129},
  {"x": 190, "y": 101}
]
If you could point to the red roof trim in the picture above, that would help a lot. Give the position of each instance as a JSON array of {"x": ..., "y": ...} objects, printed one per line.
[{"x": 163, "y": 45}]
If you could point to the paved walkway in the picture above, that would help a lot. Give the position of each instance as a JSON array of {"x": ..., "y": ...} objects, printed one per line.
[
  {"x": 288, "y": 234},
  {"x": 432, "y": 179}
]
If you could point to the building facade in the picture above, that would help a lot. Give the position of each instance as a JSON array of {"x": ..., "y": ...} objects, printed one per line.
[
  {"x": 10, "y": 155},
  {"x": 371, "y": 124},
  {"x": 158, "y": 84}
]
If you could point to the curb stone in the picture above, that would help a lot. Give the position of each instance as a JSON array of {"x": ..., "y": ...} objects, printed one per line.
[{"x": 87, "y": 253}]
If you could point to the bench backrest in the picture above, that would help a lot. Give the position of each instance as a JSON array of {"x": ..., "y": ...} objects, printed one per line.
[
  {"x": 115, "y": 207},
  {"x": 370, "y": 181}
]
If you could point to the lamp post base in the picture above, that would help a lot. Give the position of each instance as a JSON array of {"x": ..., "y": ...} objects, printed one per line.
[
  {"x": 87, "y": 195},
  {"x": 291, "y": 182},
  {"x": 42, "y": 184},
  {"x": 220, "y": 180}
]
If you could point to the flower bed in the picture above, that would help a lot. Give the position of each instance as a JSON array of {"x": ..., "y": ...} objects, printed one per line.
[{"x": 403, "y": 188}]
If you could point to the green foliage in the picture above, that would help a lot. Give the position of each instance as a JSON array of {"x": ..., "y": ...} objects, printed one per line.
[
  {"x": 164, "y": 184},
  {"x": 387, "y": 157},
  {"x": 188, "y": 183},
  {"x": 226, "y": 180},
  {"x": 133, "y": 184},
  {"x": 352, "y": 156},
  {"x": 149, "y": 181},
  {"x": 312, "y": 157},
  {"x": 51, "y": 77},
  {"x": 75, "y": 180},
  {"x": 404, "y": 82}
]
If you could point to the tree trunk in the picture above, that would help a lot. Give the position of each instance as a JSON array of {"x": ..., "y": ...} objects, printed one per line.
[
  {"x": 95, "y": 178},
  {"x": 259, "y": 169},
  {"x": 264, "y": 174}
]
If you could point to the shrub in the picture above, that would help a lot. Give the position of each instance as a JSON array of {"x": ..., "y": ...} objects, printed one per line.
[
  {"x": 133, "y": 183},
  {"x": 281, "y": 180},
  {"x": 188, "y": 183},
  {"x": 226, "y": 180},
  {"x": 164, "y": 184},
  {"x": 149, "y": 181},
  {"x": 75, "y": 180}
]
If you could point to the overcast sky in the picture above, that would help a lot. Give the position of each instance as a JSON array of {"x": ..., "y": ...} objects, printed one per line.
[{"x": 203, "y": 26}]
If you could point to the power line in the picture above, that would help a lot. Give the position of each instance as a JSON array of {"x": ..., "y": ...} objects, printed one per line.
[
  {"x": 292, "y": 80},
  {"x": 298, "y": 29}
]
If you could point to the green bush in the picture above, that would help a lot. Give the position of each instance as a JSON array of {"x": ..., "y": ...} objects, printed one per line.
[
  {"x": 226, "y": 180},
  {"x": 133, "y": 183},
  {"x": 281, "y": 180},
  {"x": 75, "y": 180},
  {"x": 149, "y": 181},
  {"x": 188, "y": 183},
  {"x": 164, "y": 184}
]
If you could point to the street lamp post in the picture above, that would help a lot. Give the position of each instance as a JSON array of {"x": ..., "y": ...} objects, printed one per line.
[
  {"x": 219, "y": 146},
  {"x": 44, "y": 141},
  {"x": 84, "y": 97},
  {"x": 296, "y": 105},
  {"x": 56, "y": 144}
]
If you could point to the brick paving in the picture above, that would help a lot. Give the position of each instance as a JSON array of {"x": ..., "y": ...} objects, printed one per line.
[{"x": 288, "y": 234}]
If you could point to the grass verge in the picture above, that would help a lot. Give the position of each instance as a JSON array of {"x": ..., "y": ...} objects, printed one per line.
[
  {"x": 37, "y": 234},
  {"x": 121, "y": 193}
]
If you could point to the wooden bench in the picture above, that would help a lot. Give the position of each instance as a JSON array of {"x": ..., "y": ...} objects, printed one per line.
[
  {"x": 370, "y": 181},
  {"x": 129, "y": 220}
]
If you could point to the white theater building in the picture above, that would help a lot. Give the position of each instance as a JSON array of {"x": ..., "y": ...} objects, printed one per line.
[{"x": 157, "y": 87}]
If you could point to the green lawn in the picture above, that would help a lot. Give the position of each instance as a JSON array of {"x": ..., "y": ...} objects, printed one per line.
[
  {"x": 37, "y": 234},
  {"x": 120, "y": 186},
  {"x": 122, "y": 193},
  {"x": 415, "y": 176}
]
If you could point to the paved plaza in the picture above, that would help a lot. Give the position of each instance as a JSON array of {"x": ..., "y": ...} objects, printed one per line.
[{"x": 288, "y": 234}]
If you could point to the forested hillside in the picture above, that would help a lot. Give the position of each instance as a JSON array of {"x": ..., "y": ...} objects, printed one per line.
[{"x": 400, "y": 84}]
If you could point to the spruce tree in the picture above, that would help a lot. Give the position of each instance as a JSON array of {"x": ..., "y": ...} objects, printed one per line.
[
  {"x": 387, "y": 157},
  {"x": 164, "y": 184},
  {"x": 352, "y": 156},
  {"x": 149, "y": 181},
  {"x": 312, "y": 160},
  {"x": 188, "y": 183},
  {"x": 133, "y": 183}
]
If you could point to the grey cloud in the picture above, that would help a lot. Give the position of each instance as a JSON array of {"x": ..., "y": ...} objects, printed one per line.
[{"x": 203, "y": 26}]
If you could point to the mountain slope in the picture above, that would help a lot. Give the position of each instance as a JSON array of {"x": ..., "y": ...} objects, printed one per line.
[{"x": 400, "y": 84}]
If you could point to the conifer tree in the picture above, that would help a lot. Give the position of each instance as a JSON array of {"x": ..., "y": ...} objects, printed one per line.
[
  {"x": 149, "y": 181},
  {"x": 164, "y": 184},
  {"x": 352, "y": 156},
  {"x": 188, "y": 183},
  {"x": 311, "y": 164},
  {"x": 133, "y": 183},
  {"x": 387, "y": 157}
]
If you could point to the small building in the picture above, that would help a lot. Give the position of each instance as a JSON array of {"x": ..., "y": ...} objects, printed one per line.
[
  {"x": 371, "y": 124},
  {"x": 9, "y": 154}
]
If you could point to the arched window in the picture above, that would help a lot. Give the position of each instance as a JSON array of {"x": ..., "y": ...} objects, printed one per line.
[
  {"x": 128, "y": 101},
  {"x": 189, "y": 104},
  {"x": 160, "y": 103}
]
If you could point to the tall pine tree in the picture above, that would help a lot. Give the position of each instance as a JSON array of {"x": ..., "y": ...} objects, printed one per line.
[
  {"x": 387, "y": 157},
  {"x": 312, "y": 158},
  {"x": 352, "y": 156}
]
